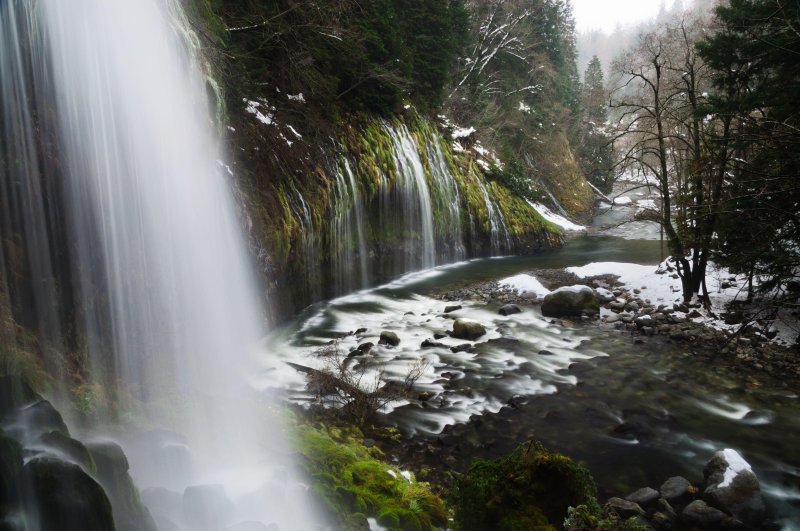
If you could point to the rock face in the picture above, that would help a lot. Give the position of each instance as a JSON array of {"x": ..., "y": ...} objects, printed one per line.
[
  {"x": 732, "y": 486},
  {"x": 66, "y": 497},
  {"x": 467, "y": 329},
  {"x": 389, "y": 338},
  {"x": 571, "y": 300}
]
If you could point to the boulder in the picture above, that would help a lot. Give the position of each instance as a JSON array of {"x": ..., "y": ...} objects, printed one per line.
[
  {"x": 452, "y": 308},
  {"x": 41, "y": 417},
  {"x": 66, "y": 498},
  {"x": 677, "y": 490},
  {"x": 570, "y": 300},
  {"x": 645, "y": 497},
  {"x": 624, "y": 508},
  {"x": 463, "y": 347},
  {"x": 700, "y": 514},
  {"x": 112, "y": 473},
  {"x": 509, "y": 309},
  {"x": 732, "y": 486},
  {"x": 467, "y": 329},
  {"x": 69, "y": 449},
  {"x": 389, "y": 338},
  {"x": 364, "y": 348}
]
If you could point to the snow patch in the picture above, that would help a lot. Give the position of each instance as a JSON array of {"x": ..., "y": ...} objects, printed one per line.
[
  {"x": 296, "y": 97},
  {"x": 463, "y": 132},
  {"x": 623, "y": 200},
  {"x": 524, "y": 284},
  {"x": 555, "y": 219},
  {"x": 736, "y": 465},
  {"x": 254, "y": 108}
]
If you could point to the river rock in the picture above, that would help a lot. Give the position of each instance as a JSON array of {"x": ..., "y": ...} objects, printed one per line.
[
  {"x": 429, "y": 343},
  {"x": 732, "y": 486},
  {"x": 10, "y": 473},
  {"x": 677, "y": 490},
  {"x": 389, "y": 338},
  {"x": 66, "y": 497},
  {"x": 700, "y": 514},
  {"x": 645, "y": 497},
  {"x": 570, "y": 300},
  {"x": 452, "y": 308},
  {"x": 464, "y": 347},
  {"x": 603, "y": 295},
  {"x": 509, "y": 309},
  {"x": 624, "y": 508},
  {"x": 468, "y": 329}
]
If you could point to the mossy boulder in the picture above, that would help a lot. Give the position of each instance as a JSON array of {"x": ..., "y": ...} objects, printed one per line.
[
  {"x": 468, "y": 329},
  {"x": 66, "y": 498},
  {"x": 530, "y": 488},
  {"x": 70, "y": 449},
  {"x": 570, "y": 301},
  {"x": 112, "y": 473}
]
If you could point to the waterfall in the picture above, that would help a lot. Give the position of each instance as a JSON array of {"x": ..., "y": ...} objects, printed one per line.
[
  {"x": 414, "y": 197},
  {"x": 497, "y": 223},
  {"x": 308, "y": 240},
  {"x": 448, "y": 204},
  {"x": 104, "y": 114},
  {"x": 348, "y": 241}
]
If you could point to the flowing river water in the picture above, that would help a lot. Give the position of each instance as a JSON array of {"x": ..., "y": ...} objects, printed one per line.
[{"x": 634, "y": 414}]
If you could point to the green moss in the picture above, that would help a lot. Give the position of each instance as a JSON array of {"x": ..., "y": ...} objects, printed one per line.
[
  {"x": 590, "y": 515},
  {"x": 530, "y": 488},
  {"x": 352, "y": 480}
]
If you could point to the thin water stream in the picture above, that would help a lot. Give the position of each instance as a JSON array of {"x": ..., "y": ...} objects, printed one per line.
[{"x": 635, "y": 414}]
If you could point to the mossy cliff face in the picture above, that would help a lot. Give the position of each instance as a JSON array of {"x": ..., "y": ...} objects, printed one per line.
[{"x": 366, "y": 201}]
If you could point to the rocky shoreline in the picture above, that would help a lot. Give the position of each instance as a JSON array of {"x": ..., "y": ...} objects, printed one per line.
[{"x": 630, "y": 311}]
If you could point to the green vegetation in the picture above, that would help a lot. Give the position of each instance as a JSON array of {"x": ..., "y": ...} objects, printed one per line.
[
  {"x": 354, "y": 482},
  {"x": 590, "y": 515},
  {"x": 530, "y": 488}
]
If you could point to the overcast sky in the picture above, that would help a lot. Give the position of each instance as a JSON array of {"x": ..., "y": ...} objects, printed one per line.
[{"x": 606, "y": 14}]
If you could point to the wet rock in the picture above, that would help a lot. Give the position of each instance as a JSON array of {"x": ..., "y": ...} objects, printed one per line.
[
  {"x": 424, "y": 396},
  {"x": 645, "y": 497},
  {"x": 464, "y": 347},
  {"x": 10, "y": 474},
  {"x": 700, "y": 514},
  {"x": 571, "y": 300},
  {"x": 509, "y": 342},
  {"x": 452, "y": 308},
  {"x": 468, "y": 329},
  {"x": 389, "y": 338},
  {"x": 112, "y": 473},
  {"x": 439, "y": 334},
  {"x": 509, "y": 309},
  {"x": 546, "y": 353},
  {"x": 662, "y": 521},
  {"x": 732, "y": 486},
  {"x": 677, "y": 490},
  {"x": 206, "y": 507},
  {"x": 69, "y": 449},
  {"x": 41, "y": 417},
  {"x": 364, "y": 348},
  {"x": 360, "y": 331},
  {"x": 66, "y": 498},
  {"x": 354, "y": 353},
  {"x": 624, "y": 508},
  {"x": 429, "y": 343},
  {"x": 643, "y": 320}
]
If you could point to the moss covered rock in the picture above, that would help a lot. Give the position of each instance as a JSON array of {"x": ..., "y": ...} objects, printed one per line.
[
  {"x": 530, "y": 488},
  {"x": 10, "y": 475},
  {"x": 66, "y": 498}
]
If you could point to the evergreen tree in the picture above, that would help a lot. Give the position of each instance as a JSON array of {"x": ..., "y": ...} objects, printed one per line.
[{"x": 594, "y": 151}]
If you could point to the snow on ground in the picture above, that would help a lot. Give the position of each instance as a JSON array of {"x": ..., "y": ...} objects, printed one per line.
[
  {"x": 462, "y": 133},
  {"x": 554, "y": 218},
  {"x": 662, "y": 288},
  {"x": 524, "y": 284}
]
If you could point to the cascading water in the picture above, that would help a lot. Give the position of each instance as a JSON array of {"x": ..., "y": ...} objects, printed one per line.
[
  {"x": 302, "y": 213},
  {"x": 348, "y": 243},
  {"x": 165, "y": 299},
  {"x": 448, "y": 204},
  {"x": 497, "y": 223},
  {"x": 414, "y": 197}
]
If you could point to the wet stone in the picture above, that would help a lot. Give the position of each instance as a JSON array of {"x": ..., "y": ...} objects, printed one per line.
[
  {"x": 509, "y": 309},
  {"x": 429, "y": 343},
  {"x": 644, "y": 497},
  {"x": 676, "y": 490},
  {"x": 700, "y": 514},
  {"x": 624, "y": 508},
  {"x": 452, "y": 308},
  {"x": 389, "y": 338}
]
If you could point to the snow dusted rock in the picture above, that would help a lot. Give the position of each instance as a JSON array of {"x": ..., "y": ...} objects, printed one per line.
[
  {"x": 732, "y": 486},
  {"x": 570, "y": 300},
  {"x": 604, "y": 295}
]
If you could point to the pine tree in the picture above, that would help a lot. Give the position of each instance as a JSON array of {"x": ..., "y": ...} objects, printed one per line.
[{"x": 594, "y": 151}]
